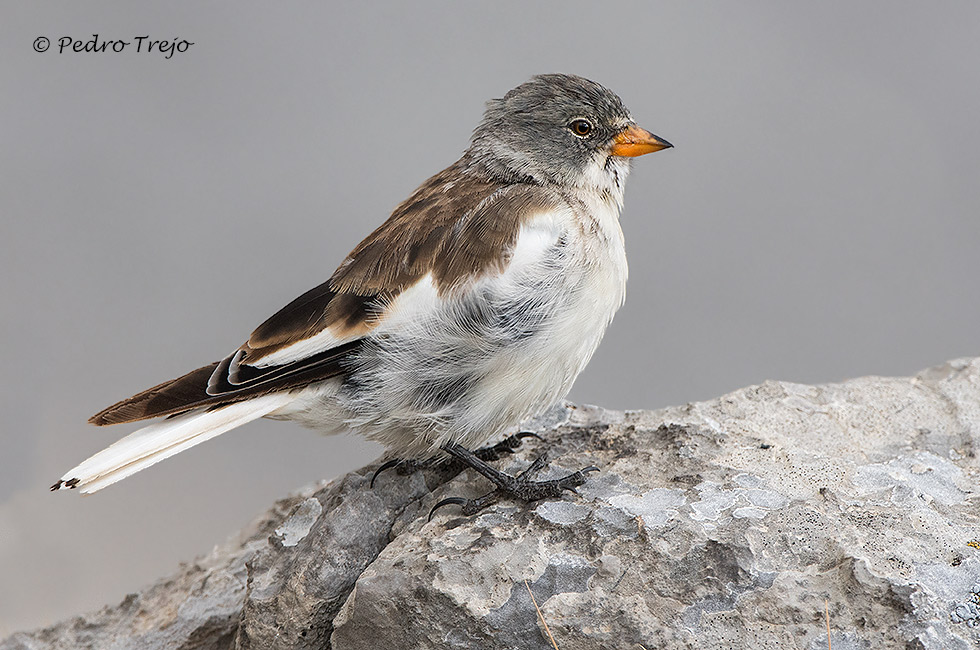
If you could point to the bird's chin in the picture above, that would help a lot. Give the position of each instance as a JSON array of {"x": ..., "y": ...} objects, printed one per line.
[
  {"x": 610, "y": 176},
  {"x": 604, "y": 176},
  {"x": 618, "y": 165}
]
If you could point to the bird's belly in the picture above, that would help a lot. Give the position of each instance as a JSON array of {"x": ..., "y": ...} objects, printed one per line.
[{"x": 481, "y": 365}]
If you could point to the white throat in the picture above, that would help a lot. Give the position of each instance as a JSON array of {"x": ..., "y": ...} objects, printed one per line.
[{"x": 606, "y": 177}]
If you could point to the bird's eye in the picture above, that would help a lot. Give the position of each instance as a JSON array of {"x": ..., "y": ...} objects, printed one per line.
[{"x": 581, "y": 128}]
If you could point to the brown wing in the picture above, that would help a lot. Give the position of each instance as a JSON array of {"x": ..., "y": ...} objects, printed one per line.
[
  {"x": 457, "y": 225},
  {"x": 453, "y": 225}
]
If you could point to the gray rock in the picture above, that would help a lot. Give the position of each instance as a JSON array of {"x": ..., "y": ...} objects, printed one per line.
[{"x": 730, "y": 523}]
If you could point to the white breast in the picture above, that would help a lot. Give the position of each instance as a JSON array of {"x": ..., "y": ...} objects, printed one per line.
[{"x": 593, "y": 285}]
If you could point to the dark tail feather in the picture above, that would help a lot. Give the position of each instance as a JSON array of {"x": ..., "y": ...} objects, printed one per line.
[
  {"x": 169, "y": 398},
  {"x": 191, "y": 390}
]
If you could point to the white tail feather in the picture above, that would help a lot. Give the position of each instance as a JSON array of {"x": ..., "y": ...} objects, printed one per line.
[{"x": 151, "y": 444}]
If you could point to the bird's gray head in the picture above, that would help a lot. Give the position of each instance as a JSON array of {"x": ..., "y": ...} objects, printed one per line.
[{"x": 562, "y": 129}]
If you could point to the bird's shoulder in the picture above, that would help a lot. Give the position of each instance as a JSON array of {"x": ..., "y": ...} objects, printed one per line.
[{"x": 457, "y": 225}]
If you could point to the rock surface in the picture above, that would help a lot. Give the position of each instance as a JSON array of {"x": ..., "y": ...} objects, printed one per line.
[{"x": 731, "y": 523}]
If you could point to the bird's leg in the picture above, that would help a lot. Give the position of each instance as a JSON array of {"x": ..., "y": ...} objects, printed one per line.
[
  {"x": 493, "y": 452},
  {"x": 520, "y": 486}
]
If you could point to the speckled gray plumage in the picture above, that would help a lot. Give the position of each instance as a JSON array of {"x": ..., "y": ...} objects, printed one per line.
[{"x": 523, "y": 136}]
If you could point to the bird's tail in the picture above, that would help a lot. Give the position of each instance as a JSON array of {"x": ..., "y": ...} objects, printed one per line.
[{"x": 160, "y": 440}]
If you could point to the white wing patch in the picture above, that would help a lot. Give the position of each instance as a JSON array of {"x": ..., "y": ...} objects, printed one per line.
[{"x": 322, "y": 340}]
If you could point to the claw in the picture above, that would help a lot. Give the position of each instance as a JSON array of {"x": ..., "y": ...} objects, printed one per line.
[
  {"x": 520, "y": 435},
  {"x": 584, "y": 473},
  {"x": 456, "y": 501},
  {"x": 514, "y": 442},
  {"x": 384, "y": 466}
]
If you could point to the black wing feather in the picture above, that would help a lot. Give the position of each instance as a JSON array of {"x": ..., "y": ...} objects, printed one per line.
[{"x": 191, "y": 390}]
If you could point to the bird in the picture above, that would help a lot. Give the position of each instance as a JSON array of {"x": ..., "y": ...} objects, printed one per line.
[{"x": 474, "y": 306}]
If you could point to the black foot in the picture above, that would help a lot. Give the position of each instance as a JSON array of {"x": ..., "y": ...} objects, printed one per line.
[
  {"x": 503, "y": 448},
  {"x": 520, "y": 486},
  {"x": 494, "y": 452}
]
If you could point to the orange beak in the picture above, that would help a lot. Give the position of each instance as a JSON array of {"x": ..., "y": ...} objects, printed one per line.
[{"x": 635, "y": 141}]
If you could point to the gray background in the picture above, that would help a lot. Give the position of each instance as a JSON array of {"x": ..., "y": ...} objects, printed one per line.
[{"x": 817, "y": 220}]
